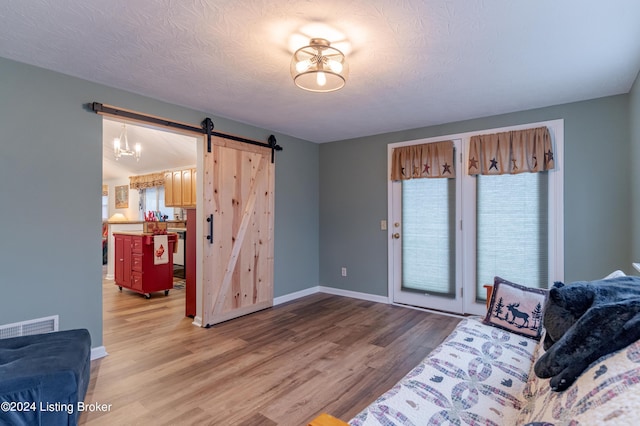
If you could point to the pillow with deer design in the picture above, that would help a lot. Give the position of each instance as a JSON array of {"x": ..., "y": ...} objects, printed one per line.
[{"x": 516, "y": 308}]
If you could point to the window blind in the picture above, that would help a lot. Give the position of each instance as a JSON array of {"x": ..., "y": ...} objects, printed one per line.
[
  {"x": 512, "y": 229},
  {"x": 428, "y": 239}
]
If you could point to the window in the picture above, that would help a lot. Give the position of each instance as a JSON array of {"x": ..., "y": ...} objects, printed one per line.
[
  {"x": 105, "y": 207},
  {"x": 153, "y": 199}
]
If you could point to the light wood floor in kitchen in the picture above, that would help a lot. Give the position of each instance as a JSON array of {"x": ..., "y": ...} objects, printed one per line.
[{"x": 280, "y": 366}]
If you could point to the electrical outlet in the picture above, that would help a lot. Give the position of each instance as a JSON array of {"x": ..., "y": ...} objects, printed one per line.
[{"x": 344, "y": 271}]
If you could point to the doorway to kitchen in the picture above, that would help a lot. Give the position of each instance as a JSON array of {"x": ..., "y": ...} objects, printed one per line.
[
  {"x": 139, "y": 194},
  {"x": 236, "y": 183}
]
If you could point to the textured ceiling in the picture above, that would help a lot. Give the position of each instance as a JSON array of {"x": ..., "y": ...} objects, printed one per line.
[{"x": 413, "y": 63}]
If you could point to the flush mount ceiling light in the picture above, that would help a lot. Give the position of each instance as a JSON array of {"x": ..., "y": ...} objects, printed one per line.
[
  {"x": 119, "y": 151},
  {"x": 319, "y": 67}
]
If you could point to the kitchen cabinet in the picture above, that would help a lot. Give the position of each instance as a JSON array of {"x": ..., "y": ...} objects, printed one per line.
[
  {"x": 186, "y": 188},
  {"x": 168, "y": 189},
  {"x": 193, "y": 189},
  {"x": 180, "y": 188},
  {"x": 177, "y": 188},
  {"x": 123, "y": 260},
  {"x": 134, "y": 265},
  {"x": 173, "y": 188}
]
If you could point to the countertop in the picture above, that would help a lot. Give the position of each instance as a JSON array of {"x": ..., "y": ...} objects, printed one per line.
[
  {"x": 170, "y": 223},
  {"x": 141, "y": 234}
]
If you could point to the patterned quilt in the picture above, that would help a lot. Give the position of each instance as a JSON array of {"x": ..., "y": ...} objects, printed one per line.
[
  {"x": 481, "y": 375},
  {"x": 608, "y": 392}
]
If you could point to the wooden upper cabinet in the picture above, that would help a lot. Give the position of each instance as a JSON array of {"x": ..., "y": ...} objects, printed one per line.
[
  {"x": 186, "y": 188},
  {"x": 193, "y": 187},
  {"x": 180, "y": 188},
  {"x": 168, "y": 189},
  {"x": 177, "y": 188}
]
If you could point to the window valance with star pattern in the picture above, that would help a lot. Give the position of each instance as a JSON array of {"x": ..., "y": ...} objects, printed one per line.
[
  {"x": 429, "y": 160},
  {"x": 512, "y": 152}
]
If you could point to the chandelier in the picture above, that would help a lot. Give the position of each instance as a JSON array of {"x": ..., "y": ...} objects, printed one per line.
[
  {"x": 119, "y": 151},
  {"x": 319, "y": 67}
]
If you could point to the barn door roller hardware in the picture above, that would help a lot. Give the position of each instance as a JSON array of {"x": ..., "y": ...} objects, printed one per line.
[{"x": 206, "y": 129}]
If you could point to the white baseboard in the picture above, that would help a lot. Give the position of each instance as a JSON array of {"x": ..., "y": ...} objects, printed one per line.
[
  {"x": 329, "y": 290},
  {"x": 435, "y": 311},
  {"x": 296, "y": 295},
  {"x": 354, "y": 294},
  {"x": 98, "y": 352},
  {"x": 197, "y": 321}
]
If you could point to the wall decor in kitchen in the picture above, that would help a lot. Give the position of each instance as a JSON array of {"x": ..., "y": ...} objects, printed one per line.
[{"x": 122, "y": 197}]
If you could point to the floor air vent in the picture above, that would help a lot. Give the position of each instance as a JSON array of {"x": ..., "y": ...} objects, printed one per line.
[{"x": 26, "y": 328}]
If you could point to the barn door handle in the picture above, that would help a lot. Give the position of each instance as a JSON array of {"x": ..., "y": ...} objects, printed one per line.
[{"x": 210, "y": 236}]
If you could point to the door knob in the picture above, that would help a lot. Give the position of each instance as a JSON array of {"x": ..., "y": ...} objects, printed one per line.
[{"x": 396, "y": 235}]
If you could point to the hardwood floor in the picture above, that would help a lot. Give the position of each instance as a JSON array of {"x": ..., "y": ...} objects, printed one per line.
[{"x": 280, "y": 366}]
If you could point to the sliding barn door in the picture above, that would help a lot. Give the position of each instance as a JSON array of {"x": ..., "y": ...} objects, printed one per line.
[{"x": 238, "y": 250}]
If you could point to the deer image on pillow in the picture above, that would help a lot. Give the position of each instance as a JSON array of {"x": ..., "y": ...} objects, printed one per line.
[
  {"x": 516, "y": 308},
  {"x": 517, "y": 315},
  {"x": 584, "y": 321}
]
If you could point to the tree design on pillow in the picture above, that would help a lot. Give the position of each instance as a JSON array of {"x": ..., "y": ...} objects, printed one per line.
[
  {"x": 536, "y": 316},
  {"x": 497, "y": 309}
]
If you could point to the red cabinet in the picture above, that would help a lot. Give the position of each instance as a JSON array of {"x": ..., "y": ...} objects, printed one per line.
[
  {"x": 134, "y": 265},
  {"x": 190, "y": 264}
]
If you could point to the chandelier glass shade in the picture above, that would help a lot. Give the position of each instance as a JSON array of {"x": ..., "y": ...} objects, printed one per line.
[
  {"x": 319, "y": 67},
  {"x": 119, "y": 150}
]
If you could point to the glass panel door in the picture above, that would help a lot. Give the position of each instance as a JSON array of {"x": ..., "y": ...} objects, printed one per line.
[{"x": 425, "y": 243}]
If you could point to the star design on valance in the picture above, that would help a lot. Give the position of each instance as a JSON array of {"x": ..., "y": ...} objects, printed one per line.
[
  {"x": 473, "y": 163},
  {"x": 494, "y": 164},
  {"x": 548, "y": 156},
  {"x": 423, "y": 161},
  {"x": 511, "y": 152}
]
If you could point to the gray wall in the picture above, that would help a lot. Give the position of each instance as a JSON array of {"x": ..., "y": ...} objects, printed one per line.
[
  {"x": 353, "y": 193},
  {"x": 50, "y": 192},
  {"x": 330, "y": 198},
  {"x": 634, "y": 119}
]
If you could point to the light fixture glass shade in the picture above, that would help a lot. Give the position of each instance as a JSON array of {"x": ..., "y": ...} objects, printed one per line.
[
  {"x": 119, "y": 151},
  {"x": 319, "y": 67}
]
